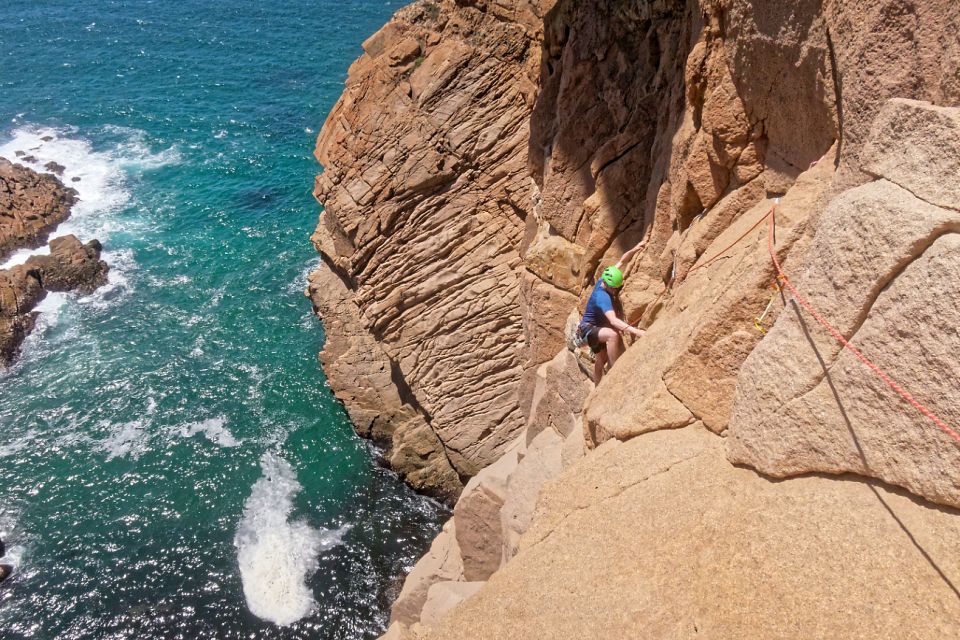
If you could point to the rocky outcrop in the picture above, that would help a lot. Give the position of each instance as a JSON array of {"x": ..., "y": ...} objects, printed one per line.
[
  {"x": 363, "y": 377},
  {"x": 884, "y": 267},
  {"x": 425, "y": 193},
  {"x": 31, "y": 206},
  {"x": 70, "y": 266}
]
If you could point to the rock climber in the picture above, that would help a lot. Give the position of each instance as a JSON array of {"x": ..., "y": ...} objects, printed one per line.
[{"x": 602, "y": 324}]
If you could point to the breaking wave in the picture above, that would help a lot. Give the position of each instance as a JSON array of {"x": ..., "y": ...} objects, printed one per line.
[{"x": 276, "y": 555}]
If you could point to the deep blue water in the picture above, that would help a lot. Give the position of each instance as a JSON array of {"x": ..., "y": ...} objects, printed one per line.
[{"x": 171, "y": 462}]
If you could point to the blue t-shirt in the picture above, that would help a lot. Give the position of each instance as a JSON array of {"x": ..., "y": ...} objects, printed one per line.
[{"x": 597, "y": 306}]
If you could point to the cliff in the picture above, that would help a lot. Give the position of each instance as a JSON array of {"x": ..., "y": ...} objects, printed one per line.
[{"x": 488, "y": 158}]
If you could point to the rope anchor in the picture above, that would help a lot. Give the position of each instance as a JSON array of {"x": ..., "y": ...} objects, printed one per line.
[{"x": 777, "y": 286}]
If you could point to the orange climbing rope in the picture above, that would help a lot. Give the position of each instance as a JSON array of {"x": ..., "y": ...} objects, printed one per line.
[{"x": 843, "y": 341}]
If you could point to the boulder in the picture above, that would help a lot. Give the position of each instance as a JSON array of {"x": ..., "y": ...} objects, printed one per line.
[
  {"x": 917, "y": 145},
  {"x": 885, "y": 270}
]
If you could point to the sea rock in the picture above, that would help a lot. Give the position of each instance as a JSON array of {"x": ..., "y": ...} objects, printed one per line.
[
  {"x": 70, "y": 266},
  {"x": 661, "y": 537},
  {"x": 475, "y": 187},
  {"x": 31, "y": 206},
  {"x": 55, "y": 168},
  {"x": 20, "y": 292},
  {"x": 5, "y": 571},
  {"x": 361, "y": 376}
]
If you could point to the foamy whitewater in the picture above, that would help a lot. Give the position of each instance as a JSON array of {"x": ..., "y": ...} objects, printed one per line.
[
  {"x": 275, "y": 555},
  {"x": 98, "y": 177},
  {"x": 172, "y": 463}
]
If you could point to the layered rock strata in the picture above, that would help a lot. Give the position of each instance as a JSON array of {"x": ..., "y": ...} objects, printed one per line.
[
  {"x": 31, "y": 206},
  {"x": 684, "y": 123},
  {"x": 425, "y": 195}
]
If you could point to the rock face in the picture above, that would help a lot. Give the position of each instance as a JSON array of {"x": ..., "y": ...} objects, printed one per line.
[
  {"x": 661, "y": 537},
  {"x": 497, "y": 505},
  {"x": 488, "y": 158},
  {"x": 363, "y": 377},
  {"x": 424, "y": 198},
  {"x": 885, "y": 268},
  {"x": 31, "y": 206}
]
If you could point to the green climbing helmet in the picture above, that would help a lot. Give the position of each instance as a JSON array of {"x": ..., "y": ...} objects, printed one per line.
[{"x": 613, "y": 277}]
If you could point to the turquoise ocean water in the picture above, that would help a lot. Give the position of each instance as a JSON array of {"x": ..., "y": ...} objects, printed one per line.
[{"x": 171, "y": 462}]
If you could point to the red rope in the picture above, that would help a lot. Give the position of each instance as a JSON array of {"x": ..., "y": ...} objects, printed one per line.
[{"x": 843, "y": 341}]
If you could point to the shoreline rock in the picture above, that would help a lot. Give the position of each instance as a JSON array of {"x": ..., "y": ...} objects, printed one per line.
[
  {"x": 31, "y": 206},
  {"x": 71, "y": 266}
]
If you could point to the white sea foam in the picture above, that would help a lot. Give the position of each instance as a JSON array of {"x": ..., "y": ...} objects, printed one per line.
[
  {"x": 129, "y": 439},
  {"x": 8, "y": 525},
  {"x": 299, "y": 284},
  {"x": 122, "y": 264},
  {"x": 215, "y": 430},
  {"x": 18, "y": 445},
  {"x": 98, "y": 176},
  {"x": 276, "y": 556}
]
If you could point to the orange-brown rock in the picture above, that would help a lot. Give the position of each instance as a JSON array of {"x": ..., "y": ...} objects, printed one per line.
[
  {"x": 70, "y": 266},
  {"x": 31, "y": 206},
  {"x": 884, "y": 267},
  {"x": 361, "y": 375},
  {"x": 660, "y": 537},
  {"x": 425, "y": 195},
  {"x": 681, "y": 122}
]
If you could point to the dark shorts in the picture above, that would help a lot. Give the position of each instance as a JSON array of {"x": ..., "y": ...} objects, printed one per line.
[{"x": 591, "y": 334}]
